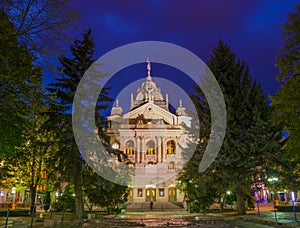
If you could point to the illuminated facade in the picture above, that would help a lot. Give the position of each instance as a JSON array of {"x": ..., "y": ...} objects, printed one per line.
[{"x": 153, "y": 138}]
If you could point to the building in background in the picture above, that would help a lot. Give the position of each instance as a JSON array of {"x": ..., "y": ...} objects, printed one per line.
[{"x": 153, "y": 138}]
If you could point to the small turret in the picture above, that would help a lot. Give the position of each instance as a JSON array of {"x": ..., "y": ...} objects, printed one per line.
[
  {"x": 183, "y": 116},
  {"x": 116, "y": 110},
  {"x": 115, "y": 117},
  {"x": 181, "y": 111}
]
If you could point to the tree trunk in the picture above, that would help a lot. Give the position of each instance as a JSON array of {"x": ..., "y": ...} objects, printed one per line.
[
  {"x": 241, "y": 210},
  {"x": 78, "y": 194},
  {"x": 32, "y": 198}
]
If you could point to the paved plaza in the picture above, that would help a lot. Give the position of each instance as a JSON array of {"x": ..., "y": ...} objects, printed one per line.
[{"x": 179, "y": 218}]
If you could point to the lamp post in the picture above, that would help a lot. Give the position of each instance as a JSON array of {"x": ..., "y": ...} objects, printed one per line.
[
  {"x": 258, "y": 188},
  {"x": 273, "y": 180},
  {"x": 293, "y": 200}
]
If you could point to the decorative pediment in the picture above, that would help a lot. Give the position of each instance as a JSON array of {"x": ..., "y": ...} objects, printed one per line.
[{"x": 151, "y": 111}]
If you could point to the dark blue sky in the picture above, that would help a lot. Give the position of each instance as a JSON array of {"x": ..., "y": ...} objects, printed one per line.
[{"x": 251, "y": 28}]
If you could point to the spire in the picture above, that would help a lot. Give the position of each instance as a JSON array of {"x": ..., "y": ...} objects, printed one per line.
[
  {"x": 167, "y": 101},
  {"x": 131, "y": 99},
  {"x": 148, "y": 69}
]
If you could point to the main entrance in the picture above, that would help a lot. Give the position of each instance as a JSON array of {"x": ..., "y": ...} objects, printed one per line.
[
  {"x": 150, "y": 194},
  {"x": 172, "y": 195}
]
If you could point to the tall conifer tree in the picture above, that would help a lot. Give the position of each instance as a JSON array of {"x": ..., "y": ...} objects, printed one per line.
[
  {"x": 68, "y": 159},
  {"x": 250, "y": 139}
]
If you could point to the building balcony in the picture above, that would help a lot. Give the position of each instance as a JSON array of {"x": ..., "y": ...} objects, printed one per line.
[
  {"x": 171, "y": 156},
  {"x": 149, "y": 158}
]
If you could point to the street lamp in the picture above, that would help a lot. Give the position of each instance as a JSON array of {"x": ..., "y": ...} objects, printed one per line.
[
  {"x": 258, "y": 188},
  {"x": 293, "y": 200},
  {"x": 273, "y": 180}
]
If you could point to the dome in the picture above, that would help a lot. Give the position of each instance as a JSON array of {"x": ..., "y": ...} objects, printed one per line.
[{"x": 149, "y": 91}]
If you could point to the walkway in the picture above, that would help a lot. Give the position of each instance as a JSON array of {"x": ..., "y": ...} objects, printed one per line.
[{"x": 178, "y": 218}]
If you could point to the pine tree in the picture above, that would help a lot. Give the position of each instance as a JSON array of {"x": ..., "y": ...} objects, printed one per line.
[
  {"x": 250, "y": 137},
  {"x": 68, "y": 158},
  {"x": 286, "y": 103}
]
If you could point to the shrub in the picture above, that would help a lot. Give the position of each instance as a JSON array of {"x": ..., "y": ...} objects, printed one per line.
[
  {"x": 15, "y": 213},
  {"x": 66, "y": 200},
  {"x": 46, "y": 200},
  {"x": 284, "y": 208}
]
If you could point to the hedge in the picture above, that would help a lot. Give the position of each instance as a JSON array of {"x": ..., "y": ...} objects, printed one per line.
[
  {"x": 15, "y": 213},
  {"x": 287, "y": 208}
]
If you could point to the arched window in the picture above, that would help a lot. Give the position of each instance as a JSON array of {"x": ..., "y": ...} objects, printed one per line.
[
  {"x": 150, "y": 148},
  {"x": 150, "y": 163},
  {"x": 171, "y": 147},
  {"x": 171, "y": 165},
  {"x": 129, "y": 147}
]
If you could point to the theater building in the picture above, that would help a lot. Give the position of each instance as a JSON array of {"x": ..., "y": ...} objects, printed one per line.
[{"x": 153, "y": 139}]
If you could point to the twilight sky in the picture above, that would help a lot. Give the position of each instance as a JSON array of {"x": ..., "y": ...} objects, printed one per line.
[{"x": 251, "y": 28}]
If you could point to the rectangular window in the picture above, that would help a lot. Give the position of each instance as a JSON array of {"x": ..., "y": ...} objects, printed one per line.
[
  {"x": 161, "y": 192},
  {"x": 140, "y": 192}
]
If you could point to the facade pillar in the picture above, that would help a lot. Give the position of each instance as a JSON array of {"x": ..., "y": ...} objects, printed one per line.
[
  {"x": 159, "y": 160},
  {"x": 138, "y": 150},
  {"x": 164, "y": 154},
  {"x": 143, "y": 149},
  {"x": 121, "y": 144}
]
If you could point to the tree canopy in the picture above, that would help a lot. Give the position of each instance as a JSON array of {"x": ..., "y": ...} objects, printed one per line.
[
  {"x": 40, "y": 25},
  {"x": 286, "y": 103},
  {"x": 20, "y": 87}
]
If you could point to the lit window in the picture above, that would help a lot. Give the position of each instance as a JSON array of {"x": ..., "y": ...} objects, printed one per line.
[
  {"x": 161, "y": 192},
  {"x": 129, "y": 148},
  {"x": 140, "y": 193},
  {"x": 171, "y": 147},
  {"x": 115, "y": 146},
  {"x": 171, "y": 165},
  {"x": 150, "y": 148}
]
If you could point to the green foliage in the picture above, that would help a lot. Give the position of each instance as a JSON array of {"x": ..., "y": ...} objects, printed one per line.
[
  {"x": 46, "y": 200},
  {"x": 250, "y": 143},
  {"x": 281, "y": 208},
  {"x": 67, "y": 158},
  {"x": 15, "y": 213},
  {"x": 22, "y": 147},
  {"x": 288, "y": 56},
  {"x": 66, "y": 201},
  {"x": 286, "y": 103},
  {"x": 19, "y": 87},
  {"x": 102, "y": 192},
  {"x": 229, "y": 198}
]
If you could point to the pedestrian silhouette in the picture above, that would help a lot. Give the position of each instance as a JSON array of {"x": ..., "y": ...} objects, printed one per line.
[{"x": 151, "y": 205}]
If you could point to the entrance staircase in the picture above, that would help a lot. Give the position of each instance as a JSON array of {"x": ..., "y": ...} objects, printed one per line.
[{"x": 157, "y": 206}]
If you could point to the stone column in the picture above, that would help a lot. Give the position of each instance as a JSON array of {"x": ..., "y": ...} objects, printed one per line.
[
  {"x": 143, "y": 149},
  {"x": 138, "y": 150},
  {"x": 159, "y": 149},
  {"x": 164, "y": 148},
  {"x": 121, "y": 143}
]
